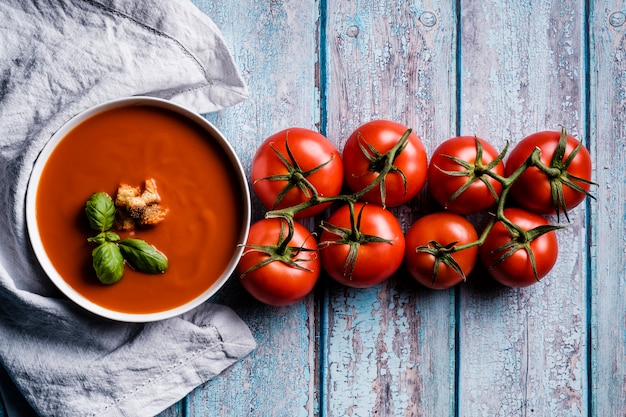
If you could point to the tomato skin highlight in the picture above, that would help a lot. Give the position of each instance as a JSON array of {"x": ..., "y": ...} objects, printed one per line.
[
  {"x": 516, "y": 271},
  {"x": 445, "y": 228},
  {"x": 412, "y": 161},
  {"x": 442, "y": 186},
  {"x": 277, "y": 283},
  {"x": 310, "y": 149},
  {"x": 532, "y": 190},
  {"x": 375, "y": 262}
]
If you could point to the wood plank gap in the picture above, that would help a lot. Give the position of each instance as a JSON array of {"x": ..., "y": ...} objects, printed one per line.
[
  {"x": 457, "y": 352},
  {"x": 456, "y": 400},
  {"x": 322, "y": 57},
  {"x": 590, "y": 143},
  {"x": 322, "y": 302},
  {"x": 459, "y": 66},
  {"x": 184, "y": 411},
  {"x": 322, "y": 358}
]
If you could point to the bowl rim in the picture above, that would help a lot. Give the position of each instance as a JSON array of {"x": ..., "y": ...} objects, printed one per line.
[{"x": 35, "y": 237}]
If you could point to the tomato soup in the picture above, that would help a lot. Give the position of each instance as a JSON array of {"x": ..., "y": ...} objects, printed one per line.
[{"x": 196, "y": 181}]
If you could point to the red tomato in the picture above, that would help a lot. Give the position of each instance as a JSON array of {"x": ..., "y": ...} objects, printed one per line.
[
  {"x": 291, "y": 275},
  {"x": 478, "y": 195},
  {"x": 362, "y": 162},
  {"x": 448, "y": 230},
  {"x": 365, "y": 258},
  {"x": 279, "y": 177},
  {"x": 532, "y": 190},
  {"x": 516, "y": 270}
]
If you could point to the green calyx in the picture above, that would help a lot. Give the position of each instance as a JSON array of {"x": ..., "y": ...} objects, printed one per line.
[
  {"x": 353, "y": 237},
  {"x": 295, "y": 176},
  {"x": 559, "y": 176},
  {"x": 281, "y": 251},
  {"x": 383, "y": 163},
  {"x": 443, "y": 255},
  {"x": 521, "y": 239},
  {"x": 477, "y": 171}
]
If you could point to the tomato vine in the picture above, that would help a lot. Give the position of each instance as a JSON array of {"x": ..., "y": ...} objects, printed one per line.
[{"x": 442, "y": 253}]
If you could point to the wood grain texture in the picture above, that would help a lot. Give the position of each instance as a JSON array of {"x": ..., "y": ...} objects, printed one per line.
[
  {"x": 389, "y": 350},
  {"x": 608, "y": 214},
  {"x": 524, "y": 352}
]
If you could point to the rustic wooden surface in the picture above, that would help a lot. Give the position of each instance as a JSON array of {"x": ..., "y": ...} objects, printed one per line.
[{"x": 500, "y": 70}]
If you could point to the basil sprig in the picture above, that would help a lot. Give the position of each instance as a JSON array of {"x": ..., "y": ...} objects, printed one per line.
[{"x": 111, "y": 251}]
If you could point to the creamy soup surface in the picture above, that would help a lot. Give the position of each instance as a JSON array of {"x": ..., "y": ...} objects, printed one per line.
[{"x": 194, "y": 179}]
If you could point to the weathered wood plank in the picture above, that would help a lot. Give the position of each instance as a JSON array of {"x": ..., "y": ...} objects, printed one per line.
[
  {"x": 524, "y": 352},
  {"x": 608, "y": 267},
  {"x": 275, "y": 47},
  {"x": 389, "y": 350}
]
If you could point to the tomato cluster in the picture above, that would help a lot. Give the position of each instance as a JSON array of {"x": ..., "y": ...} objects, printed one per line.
[{"x": 298, "y": 173}]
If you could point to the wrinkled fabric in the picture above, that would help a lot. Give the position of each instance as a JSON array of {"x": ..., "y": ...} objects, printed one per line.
[{"x": 57, "y": 58}]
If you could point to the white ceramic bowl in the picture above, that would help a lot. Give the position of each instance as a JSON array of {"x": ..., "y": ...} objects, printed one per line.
[{"x": 212, "y": 134}]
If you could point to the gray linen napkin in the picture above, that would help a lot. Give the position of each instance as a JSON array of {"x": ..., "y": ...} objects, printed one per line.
[{"x": 56, "y": 59}]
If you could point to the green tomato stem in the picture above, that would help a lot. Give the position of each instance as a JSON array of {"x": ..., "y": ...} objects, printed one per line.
[{"x": 507, "y": 183}]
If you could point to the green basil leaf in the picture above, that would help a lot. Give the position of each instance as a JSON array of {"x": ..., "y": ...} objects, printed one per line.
[
  {"x": 111, "y": 236},
  {"x": 108, "y": 263},
  {"x": 102, "y": 237},
  {"x": 100, "y": 211},
  {"x": 142, "y": 256}
]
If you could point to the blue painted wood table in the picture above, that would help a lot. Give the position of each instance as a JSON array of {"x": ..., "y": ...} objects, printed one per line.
[{"x": 500, "y": 70}]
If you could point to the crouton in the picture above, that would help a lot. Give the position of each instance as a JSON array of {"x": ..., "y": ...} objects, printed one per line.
[{"x": 137, "y": 207}]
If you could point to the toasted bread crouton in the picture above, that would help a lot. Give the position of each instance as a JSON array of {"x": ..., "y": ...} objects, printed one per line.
[
  {"x": 150, "y": 194},
  {"x": 123, "y": 221},
  {"x": 128, "y": 196},
  {"x": 152, "y": 214},
  {"x": 137, "y": 207}
]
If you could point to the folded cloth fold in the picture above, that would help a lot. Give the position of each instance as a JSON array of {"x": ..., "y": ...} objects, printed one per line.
[{"x": 57, "y": 58}]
